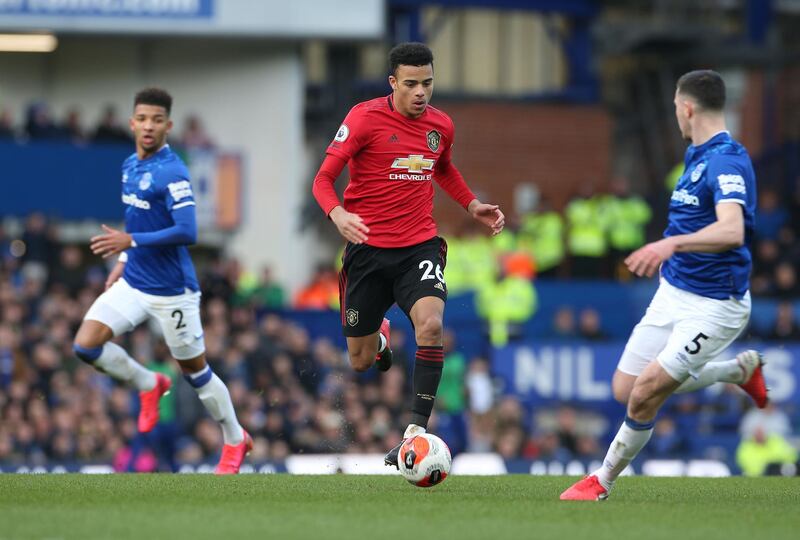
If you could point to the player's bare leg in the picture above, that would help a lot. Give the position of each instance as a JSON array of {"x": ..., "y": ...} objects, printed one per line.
[
  {"x": 373, "y": 349},
  {"x": 744, "y": 370},
  {"x": 621, "y": 386},
  {"x": 649, "y": 392},
  {"x": 217, "y": 400},
  {"x": 427, "y": 315}
]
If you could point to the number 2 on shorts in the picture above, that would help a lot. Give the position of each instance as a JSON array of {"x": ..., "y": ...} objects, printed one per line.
[{"x": 178, "y": 314}]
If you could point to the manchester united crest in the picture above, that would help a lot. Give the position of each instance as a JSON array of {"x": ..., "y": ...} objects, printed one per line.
[
  {"x": 352, "y": 317},
  {"x": 434, "y": 138}
]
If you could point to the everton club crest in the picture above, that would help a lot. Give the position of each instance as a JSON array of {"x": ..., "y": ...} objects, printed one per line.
[{"x": 434, "y": 138}]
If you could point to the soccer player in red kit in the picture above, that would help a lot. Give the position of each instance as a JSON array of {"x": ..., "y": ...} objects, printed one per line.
[{"x": 396, "y": 146}]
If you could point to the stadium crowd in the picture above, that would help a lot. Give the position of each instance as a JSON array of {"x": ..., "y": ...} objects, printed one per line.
[
  {"x": 295, "y": 394},
  {"x": 39, "y": 124}
]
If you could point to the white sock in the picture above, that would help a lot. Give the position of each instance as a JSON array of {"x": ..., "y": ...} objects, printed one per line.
[
  {"x": 413, "y": 430},
  {"x": 625, "y": 446},
  {"x": 217, "y": 400},
  {"x": 115, "y": 361},
  {"x": 381, "y": 342},
  {"x": 727, "y": 371}
]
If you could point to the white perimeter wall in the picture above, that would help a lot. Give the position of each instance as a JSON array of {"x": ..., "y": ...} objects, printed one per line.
[{"x": 249, "y": 95}]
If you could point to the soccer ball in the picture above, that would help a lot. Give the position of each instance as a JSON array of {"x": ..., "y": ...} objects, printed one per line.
[{"x": 424, "y": 460}]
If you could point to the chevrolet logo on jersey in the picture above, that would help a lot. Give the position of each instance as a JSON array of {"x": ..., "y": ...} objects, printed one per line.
[{"x": 414, "y": 163}]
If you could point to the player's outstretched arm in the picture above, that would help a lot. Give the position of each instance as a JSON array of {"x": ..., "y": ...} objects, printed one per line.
[{"x": 724, "y": 234}]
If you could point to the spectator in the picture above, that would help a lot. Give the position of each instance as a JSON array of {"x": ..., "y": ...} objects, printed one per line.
[
  {"x": 762, "y": 450},
  {"x": 321, "y": 293},
  {"x": 786, "y": 327},
  {"x": 194, "y": 135},
  {"x": 566, "y": 419},
  {"x": 586, "y": 233},
  {"x": 39, "y": 124},
  {"x": 770, "y": 420},
  {"x": 771, "y": 215},
  {"x": 110, "y": 130},
  {"x": 506, "y": 305},
  {"x": 69, "y": 273},
  {"x": 785, "y": 281},
  {"x": 39, "y": 247},
  {"x": 6, "y": 124},
  {"x": 267, "y": 294},
  {"x": 451, "y": 397},
  {"x": 564, "y": 323},
  {"x": 509, "y": 443},
  {"x": 589, "y": 326},
  {"x": 667, "y": 441},
  {"x": 73, "y": 127},
  {"x": 766, "y": 257}
]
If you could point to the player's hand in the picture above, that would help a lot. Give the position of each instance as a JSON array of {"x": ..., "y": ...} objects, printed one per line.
[
  {"x": 351, "y": 226},
  {"x": 488, "y": 214},
  {"x": 110, "y": 243},
  {"x": 646, "y": 260},
  {"x": 115, "y": 274}
]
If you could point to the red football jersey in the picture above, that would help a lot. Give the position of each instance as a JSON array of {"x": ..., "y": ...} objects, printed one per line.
[{"x": 393, "y": 161}]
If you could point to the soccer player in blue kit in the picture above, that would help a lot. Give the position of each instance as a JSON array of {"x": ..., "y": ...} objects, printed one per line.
[
  {"x": 154, "y": 279},
  {"x": 703, "y": 300}
]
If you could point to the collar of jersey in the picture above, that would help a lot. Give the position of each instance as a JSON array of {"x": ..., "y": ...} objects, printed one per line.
[{"x": 718, "y": 137}]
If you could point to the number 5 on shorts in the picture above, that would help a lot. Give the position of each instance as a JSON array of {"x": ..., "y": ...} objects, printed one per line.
[{"x": 696, "y": 343}]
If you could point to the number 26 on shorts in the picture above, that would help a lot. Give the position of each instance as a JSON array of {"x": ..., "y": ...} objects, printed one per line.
[{"x": 429, "y": 271}]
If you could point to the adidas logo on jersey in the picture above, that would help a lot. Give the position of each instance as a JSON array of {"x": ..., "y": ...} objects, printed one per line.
[
  {"x": 132, "y": 200},
  {"x": 394, "y": 138},
  {"x": 439, "y": 286}
]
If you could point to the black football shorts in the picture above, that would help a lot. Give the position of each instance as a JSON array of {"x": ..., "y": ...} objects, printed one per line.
[{"x": 373, "y": 278}]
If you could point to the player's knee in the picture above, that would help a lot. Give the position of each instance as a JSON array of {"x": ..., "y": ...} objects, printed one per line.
[
  {"x": 621, "y": 391},
  {"x": 429, "y": 330},
  {"x": 87, "y": 354},
  {"x": 639, "y": 403}
]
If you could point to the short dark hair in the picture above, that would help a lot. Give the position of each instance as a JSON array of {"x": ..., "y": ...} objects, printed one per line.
[
  {"x": 409, "y": 54},
  {"x": 154, "y": 96},
  {"x": 706, "y": 86}
]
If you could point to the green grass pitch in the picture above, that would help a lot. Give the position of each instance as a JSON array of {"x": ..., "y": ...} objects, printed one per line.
[{"x": 330, "y": 507}]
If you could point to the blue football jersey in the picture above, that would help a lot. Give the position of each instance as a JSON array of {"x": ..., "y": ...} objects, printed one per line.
[
  {"x": 717, "y": 171},
  {"x": 151, "y": 189}
]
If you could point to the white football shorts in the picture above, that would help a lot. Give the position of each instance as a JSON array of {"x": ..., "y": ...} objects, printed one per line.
[
  {"x": 122, "y": 308},
  {"x": 683, "y": 331}
]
